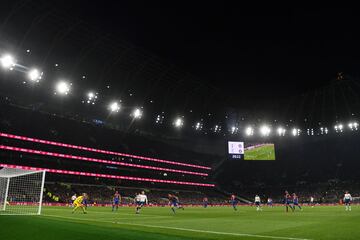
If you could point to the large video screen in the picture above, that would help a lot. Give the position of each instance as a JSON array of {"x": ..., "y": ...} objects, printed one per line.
[{"x": 251, "y": 151}]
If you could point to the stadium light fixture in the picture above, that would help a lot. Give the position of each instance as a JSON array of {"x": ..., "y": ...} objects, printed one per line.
[
  {"x": 249, "y": 131},
  {"x": 198, "y": 126},
  {"x": 114, "y": 107},
  {"x": 35, "y": 75},
  {"x": 281, "y": 131},
  {"x": 7, "y": 61},
  {"x": 295, "y": 132},
  {"x": 137, "y": 113},
  {"x": 91, "y": 98},
  {"x": 353, "y": 126},
  {"x": 339, "y": 128},
  {"x": 310, "y": 131},
  {"x": 179, "y": 122},
  {"x": 324, "y": 130},
  {"x": 234, "y": 130},
  {"x": 62, "y": 88},
  {"x": 265, "y": 130},
  {"x": 217, "y": 128},
  {"x": 91, "y": 95},
  {"x": 159, "y": 118}
]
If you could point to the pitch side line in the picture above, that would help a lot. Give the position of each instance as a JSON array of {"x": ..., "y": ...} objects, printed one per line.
[{"x": 182, "y": 229}]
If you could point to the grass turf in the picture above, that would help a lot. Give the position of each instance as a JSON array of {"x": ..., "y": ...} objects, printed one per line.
[
  {"x": 266, "y": 152},
  {"x": 193, "y": 223}
]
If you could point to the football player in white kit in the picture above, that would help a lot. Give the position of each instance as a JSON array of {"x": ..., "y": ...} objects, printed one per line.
[
  {"x": 347, "y": 201},
  {"x": 258, "y": 203},
  {"x": 141, "y": 200},
  {"x": 312, "y": 203}
]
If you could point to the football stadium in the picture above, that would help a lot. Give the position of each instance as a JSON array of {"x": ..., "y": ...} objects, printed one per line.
[{"x": 173, "y": 121}]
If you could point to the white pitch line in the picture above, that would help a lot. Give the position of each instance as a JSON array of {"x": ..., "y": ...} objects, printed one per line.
[{"x": 184, "y": 229}]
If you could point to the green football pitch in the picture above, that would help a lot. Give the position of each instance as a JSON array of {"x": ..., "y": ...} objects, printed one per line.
[
  {"x": 192, "y": 223},
  {"x": 266, "y": 152}
]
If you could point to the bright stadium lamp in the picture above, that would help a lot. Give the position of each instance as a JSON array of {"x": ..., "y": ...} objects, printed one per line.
[
  {"x": 91, "y": 98},
  {"x": 198, "y": 126},
  {"x": 249, "y": 131},
  {"x": 234, "y": 130},
  {"x": 281, "y": 131},
  {"x": 338, "y": 128},
  {"x": 7, "y": 61},
  {"x": 114, "y": 107},
  {"x": 137, "y": 113},
  {"x": 217, "y": 128},
  {"x": 91, "y": 95},
  {"x": 265, "y": 130},
  {"x": 295, "y": 132},
  {"x": 34, "y": 75},
  {"x": 179, "y": 122},
  {"x": 62, "y": 88},
  {"x": 353, "y": 126}
]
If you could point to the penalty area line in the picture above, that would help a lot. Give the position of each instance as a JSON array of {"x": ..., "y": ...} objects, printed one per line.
[{"x": 182, "y": 229}]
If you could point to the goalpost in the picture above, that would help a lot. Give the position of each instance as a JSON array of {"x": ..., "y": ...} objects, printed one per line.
[{"x": 21, "y": 191}]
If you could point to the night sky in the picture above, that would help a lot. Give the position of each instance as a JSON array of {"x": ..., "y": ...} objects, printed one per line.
[{"x": 280, "y": 62}]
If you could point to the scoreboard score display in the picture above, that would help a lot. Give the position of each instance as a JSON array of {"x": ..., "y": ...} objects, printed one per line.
[{"x": 236, "y": 150}]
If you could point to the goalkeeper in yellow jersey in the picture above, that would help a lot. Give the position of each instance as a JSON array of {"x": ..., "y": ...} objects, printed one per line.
[{"x": 78, "y": 203}]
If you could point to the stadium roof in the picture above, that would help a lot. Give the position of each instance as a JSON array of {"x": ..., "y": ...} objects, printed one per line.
[{"x": 290, "y": 65}]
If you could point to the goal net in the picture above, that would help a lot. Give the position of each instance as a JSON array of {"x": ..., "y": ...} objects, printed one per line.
[{"x": 21, "y": 191}]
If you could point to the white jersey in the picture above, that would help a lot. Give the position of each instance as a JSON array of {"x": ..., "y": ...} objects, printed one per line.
[
  {"x": 73, "y": 197},
  {"x": 142, "y": 198},
  {"x": 347, "y": 196},
  {"x": 257, "y": 199},
  {"x": 311, "y": 199}
]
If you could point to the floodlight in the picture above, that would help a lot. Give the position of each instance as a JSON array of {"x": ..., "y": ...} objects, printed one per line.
[
  {"x": 198, "y": 126},
  {"x": 265, "y": 130},
  {"x": 34, "y": 75},
  {"x": 217, "y": 128},
  {"x": 234, "y": 129},
  {"x": 281, "y": 131},
  {"x": 91, "y": 95},
  {"x": 63, "y": 88},
  {"x": 114, "y": 107},
  {"x": 339, "y": 127},
  {"x": 295, "y": 132},
  {"x": 178, "y": 122},
  {"x": 353, "y": 126},
  {"x": 7, "y": 61},
  {"x": 137, "y": 113},
  {"x": 249, "y": 131}
]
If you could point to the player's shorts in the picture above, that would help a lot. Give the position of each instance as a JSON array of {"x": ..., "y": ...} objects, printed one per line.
[
  {"x": 257, "y": 203},
  {"x": 347, "y": 201},
  {"x": 234, "y": 202},
  {"x": 296, "y": 203},
  {"x": 116, "y": 202},
  {"x": 139, "y": 203},
  {"x": 288, "y": 202},
  {"x": 174, "y": 203},
  {"x": 77, "y": 204}
]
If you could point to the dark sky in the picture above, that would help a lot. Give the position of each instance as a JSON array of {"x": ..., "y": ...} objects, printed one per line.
[{"x": 243, "y": 55}]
